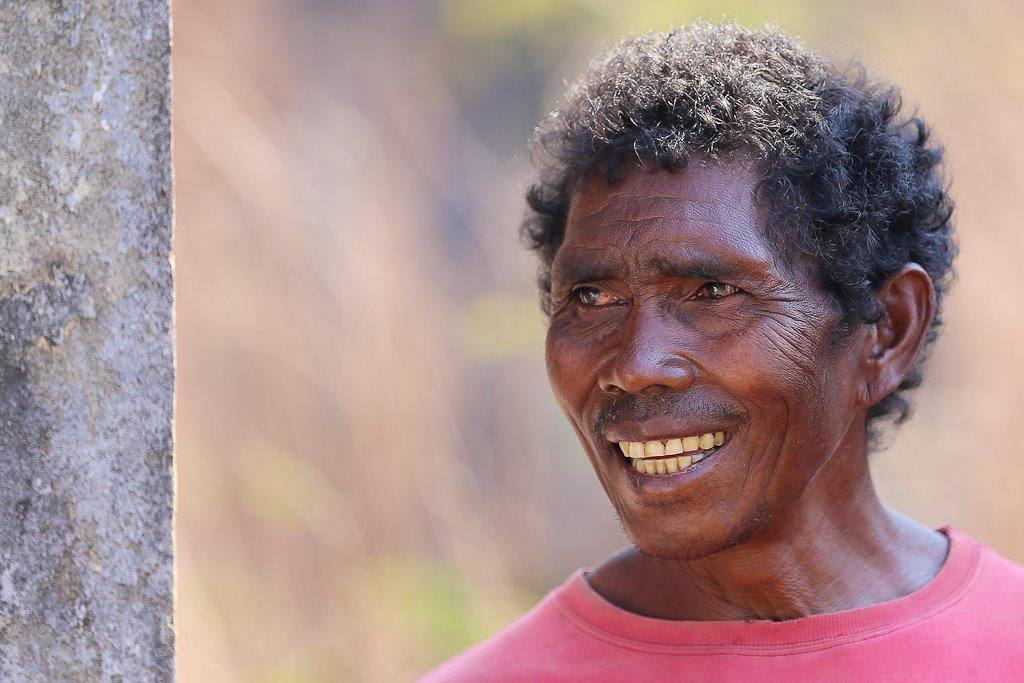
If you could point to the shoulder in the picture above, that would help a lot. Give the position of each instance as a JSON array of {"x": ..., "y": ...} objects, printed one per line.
[
  {"x": 978, "y": 626},
  {"x": 531, "y": 648},
  {"x": 990, "y": 602},
  {"x": 997, "y": 575}
]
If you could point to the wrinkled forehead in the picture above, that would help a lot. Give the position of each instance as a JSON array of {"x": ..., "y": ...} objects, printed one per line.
[{"x": 708, "y": 211}]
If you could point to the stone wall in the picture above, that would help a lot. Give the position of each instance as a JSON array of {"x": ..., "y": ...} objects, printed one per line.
[{"x": 86, "y": 341}]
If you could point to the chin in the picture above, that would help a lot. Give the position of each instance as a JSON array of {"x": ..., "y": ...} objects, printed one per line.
[{"x": 663, "y": 543}]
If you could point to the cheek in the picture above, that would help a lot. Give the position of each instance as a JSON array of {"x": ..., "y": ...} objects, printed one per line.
[
  {"x": 780, "y": 365},
  {"x": 801, "y": 388},
  {"x": 793, "y": 346},
  {"x": 575, "y": 342},
  {"x": 570, "y": 366}
]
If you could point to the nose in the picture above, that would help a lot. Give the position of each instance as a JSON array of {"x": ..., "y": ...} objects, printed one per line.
[{"x": 647, "y": 359}]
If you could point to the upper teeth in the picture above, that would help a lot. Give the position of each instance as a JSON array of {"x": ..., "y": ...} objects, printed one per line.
[{"x": 658, "y": 448}]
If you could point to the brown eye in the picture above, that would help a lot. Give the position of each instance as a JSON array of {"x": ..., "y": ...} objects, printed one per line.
[
  {"x": 594, "y": 297},
  {"x": 715, "y": 290}
]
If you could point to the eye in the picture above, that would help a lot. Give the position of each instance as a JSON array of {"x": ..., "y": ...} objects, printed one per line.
[
  {"x": 593, "y": 297},
  {"x": 715, "y": 290}
]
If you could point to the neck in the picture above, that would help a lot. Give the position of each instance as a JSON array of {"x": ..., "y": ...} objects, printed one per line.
[{"x": 828, "y": 554}]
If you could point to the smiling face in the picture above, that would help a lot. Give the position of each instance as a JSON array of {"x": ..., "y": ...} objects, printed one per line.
[{"x": 694, "y": 365}]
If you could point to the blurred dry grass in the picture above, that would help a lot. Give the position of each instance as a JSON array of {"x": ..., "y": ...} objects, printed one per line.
[{"x": 371, "y": 472}]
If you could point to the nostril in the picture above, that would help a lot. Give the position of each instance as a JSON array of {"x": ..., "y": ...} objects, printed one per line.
[
  {"x": 608, "y": 386},
  {"x": 640, "y": 376}
]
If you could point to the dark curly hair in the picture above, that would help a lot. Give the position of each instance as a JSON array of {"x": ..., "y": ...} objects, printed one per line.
[{"x": 851, "y": 184}]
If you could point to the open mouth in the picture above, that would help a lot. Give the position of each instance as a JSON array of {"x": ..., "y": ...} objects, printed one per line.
[{"x": 670, "y": 455}]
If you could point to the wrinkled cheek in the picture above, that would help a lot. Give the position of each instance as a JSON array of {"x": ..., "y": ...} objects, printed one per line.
[
  {"x": 790, "y": 385},
  {"x": 780, "y": 387},
  {"x": 790, "y": 360}
]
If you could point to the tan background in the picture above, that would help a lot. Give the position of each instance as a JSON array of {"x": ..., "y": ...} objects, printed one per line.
[{"x": 372, "y": 474}]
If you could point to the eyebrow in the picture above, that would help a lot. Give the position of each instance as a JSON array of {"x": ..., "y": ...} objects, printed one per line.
[
  {"x": 579, "y": 270},
  {"x": 688, "y": 265},
  {"x": 702, "y": 267}
]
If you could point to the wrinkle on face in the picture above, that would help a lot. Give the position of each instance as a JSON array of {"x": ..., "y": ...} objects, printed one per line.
[{"x": 795, "y": 336}]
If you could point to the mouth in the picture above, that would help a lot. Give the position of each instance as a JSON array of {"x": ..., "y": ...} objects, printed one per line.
[{"x": 668, "y": 456}]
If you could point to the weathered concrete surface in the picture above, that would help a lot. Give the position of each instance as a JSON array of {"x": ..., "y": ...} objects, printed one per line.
[{"x": 86, "y": 341}]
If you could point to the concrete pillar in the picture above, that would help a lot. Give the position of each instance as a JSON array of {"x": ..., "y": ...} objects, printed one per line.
[{"x": 86, "y": 341}]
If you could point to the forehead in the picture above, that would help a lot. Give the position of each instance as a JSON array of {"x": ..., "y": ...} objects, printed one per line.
[{"x": 707, "y": 210}]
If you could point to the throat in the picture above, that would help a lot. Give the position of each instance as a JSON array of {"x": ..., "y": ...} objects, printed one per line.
[{"x": 775, "y": 579}]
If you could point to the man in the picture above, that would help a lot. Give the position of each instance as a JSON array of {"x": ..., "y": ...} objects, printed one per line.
[{"x": 744, "y": 254}]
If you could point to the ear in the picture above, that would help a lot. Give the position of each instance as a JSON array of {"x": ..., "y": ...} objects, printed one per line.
[{"x": 893, "y": 343}]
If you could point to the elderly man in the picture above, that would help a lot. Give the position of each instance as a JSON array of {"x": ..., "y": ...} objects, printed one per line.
[{"x": 744, "y": 253}]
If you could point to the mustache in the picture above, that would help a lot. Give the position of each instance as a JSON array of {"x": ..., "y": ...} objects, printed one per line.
[{"x": 637, "y": 408}]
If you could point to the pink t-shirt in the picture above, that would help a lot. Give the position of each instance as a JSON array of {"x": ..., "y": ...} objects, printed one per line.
[{"x": 967, "y": 624}]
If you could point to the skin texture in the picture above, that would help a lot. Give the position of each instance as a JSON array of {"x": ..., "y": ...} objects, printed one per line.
[{"x": 673, "y": 316}]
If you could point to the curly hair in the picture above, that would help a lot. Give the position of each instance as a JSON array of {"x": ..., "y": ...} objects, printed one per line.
[{"x": 850, "y": 182}]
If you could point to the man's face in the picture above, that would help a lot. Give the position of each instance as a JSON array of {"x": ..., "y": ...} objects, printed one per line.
[{"x": 674, "y": 318}]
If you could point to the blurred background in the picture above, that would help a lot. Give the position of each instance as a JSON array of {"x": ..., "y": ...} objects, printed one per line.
[{"x": 372, "y": 473}]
